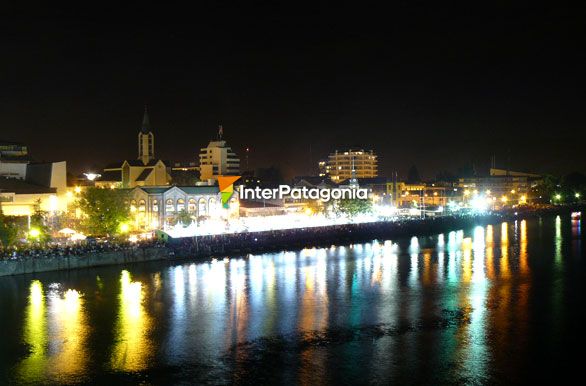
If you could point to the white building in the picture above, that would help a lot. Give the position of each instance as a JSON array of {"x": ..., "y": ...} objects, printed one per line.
[
  {"x": 218, "y": 159},
  {"x": 157, "y": 206}
]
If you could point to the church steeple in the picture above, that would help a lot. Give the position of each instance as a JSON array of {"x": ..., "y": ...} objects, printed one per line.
[
  {"x": 146, "y": 123},
  {"x": 146, "y": 140}
]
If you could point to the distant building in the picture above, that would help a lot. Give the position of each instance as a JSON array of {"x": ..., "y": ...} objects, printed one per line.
[
  {"x": 500, "y": 183},
  {"x": 45, "y": 184},
  {"x": 25, "y": 184},
  {"x": 322, "y": 167},
  {"x": 405, "y": 195},
  {"x": 218, "y": 159},
  {"x": 14, "y": 158},
  {"x": 144, "y": 171},
  {"x": 343, "y": 165}
]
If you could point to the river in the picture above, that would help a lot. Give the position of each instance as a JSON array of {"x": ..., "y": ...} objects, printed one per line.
[{"x": 498, "y": 303}]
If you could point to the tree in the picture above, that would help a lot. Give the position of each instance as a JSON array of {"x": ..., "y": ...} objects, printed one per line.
[
  {"x": 105, "y": 210},
  {"x": 546, "y": 188},
  {"x": 184, "y": 177},
  {"x": 39, "y": 223},
  {"x": 183, "y": 218},
  {"x": 413, "y": 175},
  {"x": 8, "y": 230},
  {"x": 351, "y": 208}
]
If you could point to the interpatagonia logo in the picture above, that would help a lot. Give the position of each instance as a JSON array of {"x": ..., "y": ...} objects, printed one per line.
[{"x": 226, "y": 184}]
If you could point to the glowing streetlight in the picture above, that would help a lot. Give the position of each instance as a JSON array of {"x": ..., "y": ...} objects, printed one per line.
[
  {"x": 504, "y": 199},
  {"x": 577, "y": 195},
  {"x": 77, "y": 189},
  {"x": 91, "y": 176},
  {"x": 558, "y": 196},
  {"x": 124, "y": 228},
  {"x": 34, "y": 233}
]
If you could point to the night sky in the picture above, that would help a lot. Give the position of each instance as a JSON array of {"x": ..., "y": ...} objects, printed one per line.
[{"x": 435, "y": 86}]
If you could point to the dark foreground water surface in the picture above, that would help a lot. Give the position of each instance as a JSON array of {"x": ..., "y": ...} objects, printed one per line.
[{"x": 501, "y": 303}]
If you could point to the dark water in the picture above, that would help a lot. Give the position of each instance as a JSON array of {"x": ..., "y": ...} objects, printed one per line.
[{"x": 494, "y": 304}]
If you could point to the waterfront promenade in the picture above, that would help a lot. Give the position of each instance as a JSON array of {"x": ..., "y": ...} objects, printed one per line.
[{"x": 202, "y": 247}]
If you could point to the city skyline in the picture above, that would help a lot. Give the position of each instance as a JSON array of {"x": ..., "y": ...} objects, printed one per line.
[{"x": 437, "y": 88}]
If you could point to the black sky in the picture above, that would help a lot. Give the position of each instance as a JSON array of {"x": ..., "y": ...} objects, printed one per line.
[{"x": 436, "y": 86}]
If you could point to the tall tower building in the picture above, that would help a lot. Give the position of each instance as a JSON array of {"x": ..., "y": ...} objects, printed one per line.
[
  {"x": 351, "y": 164},
  {"x": 218, "y": 159},
  {"x": 146, "y": 140}
]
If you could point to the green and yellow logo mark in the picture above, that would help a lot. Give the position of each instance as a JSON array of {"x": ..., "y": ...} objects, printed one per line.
[{"x": 226, "y": 184}]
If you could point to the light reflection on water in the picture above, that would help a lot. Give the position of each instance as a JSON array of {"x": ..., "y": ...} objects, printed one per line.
[{"x": 435, "y": 308}]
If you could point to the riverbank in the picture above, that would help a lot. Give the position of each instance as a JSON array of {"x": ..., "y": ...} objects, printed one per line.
[
  {"x": 63, "y": 263},
  {"x": 204, "y": 247},
  {"x": 293, "y": 239}
]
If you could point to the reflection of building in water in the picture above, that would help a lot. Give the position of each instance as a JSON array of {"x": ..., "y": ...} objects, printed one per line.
[
  {"x": 133, "y": 349},
  {"x": 32, "y": 368},
  {"x": 70, "y": 324},
  {"x": 558, "y": 240},
  {"x": 63, "y": 355},
  {"x": 523, "y": 264},
  {"x": 489, "y": 252},
  {"x": 504, "y": 262}
]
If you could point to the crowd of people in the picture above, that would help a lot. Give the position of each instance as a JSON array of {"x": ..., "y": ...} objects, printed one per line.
[
  {"x": 81, "y": 248},
  {"x": 314, "y": 236},
  {"x": 247, "y": 241}
]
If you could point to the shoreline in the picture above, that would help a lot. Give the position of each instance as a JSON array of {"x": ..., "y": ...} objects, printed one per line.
[{"x": 204, "y": 247}]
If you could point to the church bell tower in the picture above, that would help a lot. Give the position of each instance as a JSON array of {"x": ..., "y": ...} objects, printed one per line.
[{"x": 146, "y": 140}]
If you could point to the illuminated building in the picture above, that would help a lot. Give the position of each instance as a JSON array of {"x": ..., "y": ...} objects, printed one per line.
[
  {"x": 408, "y": 195},
  {"x": 507, "y": 186},
  {"x": 144, "y": 171},
  {"x": 218, "y": 159},
  {"x": 24, "y": 184},
  {"x": 14, "y": 159},
  {"x": 340, "y": 165},
  {"x": 155, "y": 206}
]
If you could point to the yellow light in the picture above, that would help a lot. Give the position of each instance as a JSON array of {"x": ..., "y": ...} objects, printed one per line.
[
  {"x": 558, "y": 196},
  {"x": 512, "y": 191},
  {"x": 487, "y": 191},
  {"x": 77, "y": 189},
  {"x": 308, "y": 211},
  {"x": 523, "y": 199},
  {"x": 69, "y": 194},
  {"x": 34, "y": 233},
  {"x": 504, "y": 199},
  {"x": 577, "y": 195},
  {"x": 124, "y": 228},
  {"x": 466, "y": 192}
]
